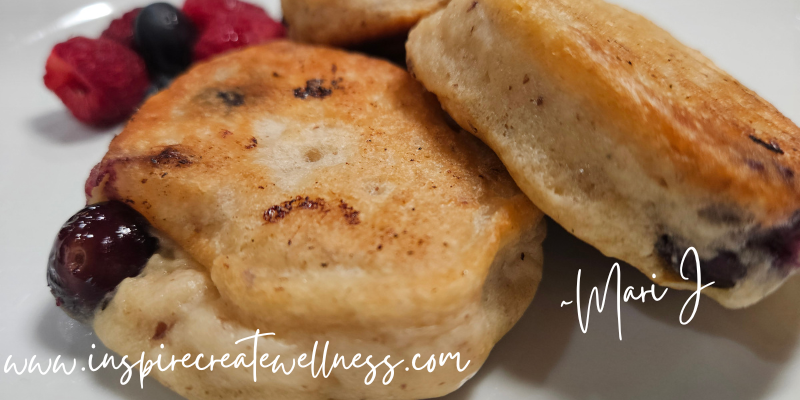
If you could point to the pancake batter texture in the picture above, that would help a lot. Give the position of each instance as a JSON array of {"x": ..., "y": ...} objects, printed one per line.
[
  {"x": 352, "y": 22},
  {"x": 629, "y": 139},
  {"x": 322, "y": 196}
]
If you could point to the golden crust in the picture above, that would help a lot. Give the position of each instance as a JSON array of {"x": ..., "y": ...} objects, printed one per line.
[
  {"x": 671, "y": 99},
  {"x": 350, "y": 22},
  {"x": 617, "y": 130},
  {"x": 711, "y": 128},
  {"x": 324, "y": 194}
]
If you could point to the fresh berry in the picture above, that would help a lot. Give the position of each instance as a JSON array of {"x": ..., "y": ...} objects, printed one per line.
[
  {"x": 164, "y": 36},
  {"x": 725, "y": 269},
  {"x": 121, "y": 29},
  {"x": 100, "y": 81},
  {"x": 203, "y": 12},
  {"x": 157, "y": 84},
  {"x": 783, "y": 244},
  {"x": 232, "y": 31},
  {"x": 95, "y": 250}
]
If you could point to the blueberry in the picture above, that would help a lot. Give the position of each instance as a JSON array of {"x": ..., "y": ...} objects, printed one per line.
[
  {"x": 164, "y": 36},
  {"x": 157, "y": 84},
  {"x": 783, "y": 244},
  {"x": 94, "y": 251},
  {"x": 724, "y": 269}
]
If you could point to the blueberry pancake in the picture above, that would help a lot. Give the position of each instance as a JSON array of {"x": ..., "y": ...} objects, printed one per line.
[
  {"x": 351, "y": 22},
  {"x": 322, "y": 196},
  {"x": 634, "y": 142}
]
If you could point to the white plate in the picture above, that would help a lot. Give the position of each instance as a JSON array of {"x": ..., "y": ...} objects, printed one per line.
[{"x": 45, "y": 157}]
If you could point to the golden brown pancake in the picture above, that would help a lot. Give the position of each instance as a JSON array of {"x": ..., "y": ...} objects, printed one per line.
[
  {"x": 351, "y": 22},
  {"x": 319, "y": 195},
  {"x": 634, "y": 142}
]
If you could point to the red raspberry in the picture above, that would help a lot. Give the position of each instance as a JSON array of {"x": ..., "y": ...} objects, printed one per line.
[
  {"x": 99, "y": 80},
  {"x": 203, "y": 12},
  {"x": 237, "y": 30},
  {"x": 121, "y": 29}
]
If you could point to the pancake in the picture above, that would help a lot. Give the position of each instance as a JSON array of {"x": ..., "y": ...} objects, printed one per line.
[
  {"x": 352, "y": 22},
  {"x": 322, "y": 196},
  {"x": 632, "y": 141}
]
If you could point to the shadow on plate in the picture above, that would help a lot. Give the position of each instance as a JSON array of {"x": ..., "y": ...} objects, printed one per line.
[
  {"x": 731, "y": 354},
  {"x": 71, "y": 339},
  {"x": 61, "y": 127}
]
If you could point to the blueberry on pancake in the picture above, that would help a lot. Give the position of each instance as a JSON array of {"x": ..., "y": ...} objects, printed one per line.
[
  {"x": 320, "y": 195},
  {"x": 629, "y": 139}
]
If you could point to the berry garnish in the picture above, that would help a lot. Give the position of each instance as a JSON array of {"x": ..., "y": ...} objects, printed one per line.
[
  {"x": 235, "y": 30},
  {"x": 95, "y": 250},
  {"x": 203, "y": 12},
  {"x": 164, "y": 36},
  {"x": 100, "y": 81},
  {"x": 121, "y": 29},
  {"x": 158, "y": 83}
]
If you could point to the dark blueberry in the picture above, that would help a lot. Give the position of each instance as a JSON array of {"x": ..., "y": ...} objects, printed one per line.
[
  {"x": 161, "y": 81},
  {"x": 157, "y": 84},
  {"x": 782, "y": 243},
  {"x": 94, "y": 251},
  {"x": 164, "y": 37},
  {"x": 232, "y": 99},
  {"x": 668, "y": 250},
  {"x": 725, "y": 269}
]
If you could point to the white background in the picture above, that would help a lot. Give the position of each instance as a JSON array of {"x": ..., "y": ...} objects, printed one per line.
[{"x": 45, "y": 157}]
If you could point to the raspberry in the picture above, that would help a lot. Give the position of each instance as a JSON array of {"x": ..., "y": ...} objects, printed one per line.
[
  {"x": 121, "y": 29},
  {"x": 203, "y": 12},
  {"x": 240, "y": 29},
  {"x": 100, "y": 81}
]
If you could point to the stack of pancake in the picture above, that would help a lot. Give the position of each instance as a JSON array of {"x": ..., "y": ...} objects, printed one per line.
[{"x": 344, "y": 199}]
